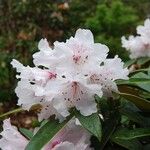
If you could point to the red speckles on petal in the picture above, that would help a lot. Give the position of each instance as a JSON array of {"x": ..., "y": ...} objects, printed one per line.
[
  {"x": 76, "y": 58},
  {"x": 74, "y": 88},
  {"x": 52, "y": 75}
]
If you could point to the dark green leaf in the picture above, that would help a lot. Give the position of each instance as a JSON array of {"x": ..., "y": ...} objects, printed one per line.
[
  {"x": 107, "y": 130},
  {"x": 135, "y": 116},
  {"x": 128, "y": 144},
  {"x": 91, "y": 123},
  {"x": 146, "y": 147},
  {"x": 27, "y": 133},
  {"x": 45, "y": 134},
  {"x": 126, "y": 134},
  {"x": 138, "y": 101}
]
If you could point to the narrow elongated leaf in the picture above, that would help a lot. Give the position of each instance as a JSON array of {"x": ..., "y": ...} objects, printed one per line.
[
  {"x": 91, "y": 123},
  {"x": 126, "y": 134},
  {"x": 142, "y": 61},
  {"x": 133, "y": 81},
  {"x": 141, "y": 75},
  {"x": 138, "y": 101},
  {"x": 45, "y": 134},
  {"x": 140, "y": 70},
  {"x": 143, "y": 84},
  {"x": 27, "y": 133},
  {"x": 129, "y": 62},
  {"x": 134, "y": 91},
  {"x": 129, "y": 89},
  {"x": 128, "y": 144}
]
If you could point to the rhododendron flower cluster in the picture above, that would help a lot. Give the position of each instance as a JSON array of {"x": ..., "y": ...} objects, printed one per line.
[
  {"x": 72, "y": 137},
  {"x": 67, "y": 76},
  {"x": 139, "y": 46}
]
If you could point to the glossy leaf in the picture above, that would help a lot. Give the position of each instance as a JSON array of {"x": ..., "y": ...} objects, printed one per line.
[
  {"x": 91, "y": 123},
  {"x": 138, "y": 101},
  {"x": 27, "y": 133}
]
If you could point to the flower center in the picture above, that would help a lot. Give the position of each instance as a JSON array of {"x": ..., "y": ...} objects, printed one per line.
[{"x": 76, "y": 58}]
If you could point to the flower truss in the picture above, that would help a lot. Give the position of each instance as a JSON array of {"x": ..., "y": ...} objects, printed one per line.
[
  {"x": 139, "y": 46},
  {"x": 72, "y": 137},
  {"x": 67, "y": 76}
]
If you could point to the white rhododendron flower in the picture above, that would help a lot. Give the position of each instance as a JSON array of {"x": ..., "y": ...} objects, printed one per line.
[
  {"x": 67, "y": 76},
  {"x": 139, "y": 46},
  {"x": 72, "y": 137}
]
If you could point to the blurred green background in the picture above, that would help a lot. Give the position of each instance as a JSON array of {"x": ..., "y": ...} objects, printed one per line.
[{"x": 24, "y": 22}]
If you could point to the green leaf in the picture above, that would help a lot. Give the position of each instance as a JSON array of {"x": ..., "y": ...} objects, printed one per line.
[
  {"x": 27, "y": 133},
  {"x": 135, "y": 116},
  {"x": 133, "y": 81},
  {"x": 140, "y": 70},
  {"x": 126, "y": 134},
  {"x": 107, "y": 130},
  {"x": 91, "y": 123},
  {"x": 142, "y": 61},
  {"x": 129, "y": 62},
  {"x": 142, "y": 76},
  {"x": 128, "y": 144},
  {"x": 134, "y": 91},
  {"x": 138, "y": 101},
  {"x": 45, "y": 134}
]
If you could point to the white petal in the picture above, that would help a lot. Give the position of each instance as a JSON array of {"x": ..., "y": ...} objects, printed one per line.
[
  {"x": 16, "y": 64},
  {"x": 86, "y": 103},
  {"x": 26, "y": 94},
  {"x": 84, "y": 35},
  {"x": 11, "y": 138},
  {"x": 100, "y": 51},
  {"x": 44, "y": 45},
  {"x": 64, "y": 146},
  {"x": 48, "y": 110},
  {"x": 60, "y": 106}
]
